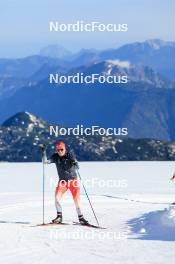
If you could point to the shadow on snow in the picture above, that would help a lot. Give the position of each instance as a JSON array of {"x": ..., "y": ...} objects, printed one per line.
[{"x": 156, "y": 225}]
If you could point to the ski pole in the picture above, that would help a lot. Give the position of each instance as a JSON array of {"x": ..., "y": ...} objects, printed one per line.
[
  {"x": 43, "y": 148},
  {"x": 88, "y": 198}
]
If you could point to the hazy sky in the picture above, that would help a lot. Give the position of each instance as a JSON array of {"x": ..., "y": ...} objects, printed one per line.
[{"x": 24, "y": 24}]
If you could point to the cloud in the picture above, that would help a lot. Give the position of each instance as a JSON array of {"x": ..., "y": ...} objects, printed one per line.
[{"x": 123, "y": 64}]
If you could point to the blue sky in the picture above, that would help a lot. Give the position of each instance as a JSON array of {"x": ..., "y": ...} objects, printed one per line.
[{"x": 24, "y": 23}]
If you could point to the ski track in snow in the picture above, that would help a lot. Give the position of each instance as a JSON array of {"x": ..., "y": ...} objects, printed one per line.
[{"x": 144, "y": 221}]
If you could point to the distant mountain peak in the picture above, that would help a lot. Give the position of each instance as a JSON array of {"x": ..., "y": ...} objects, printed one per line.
[
  {"x": 156, "y": 43},
  {"x": 146, "y": 46},
  {"x": 55, "y": 51}
]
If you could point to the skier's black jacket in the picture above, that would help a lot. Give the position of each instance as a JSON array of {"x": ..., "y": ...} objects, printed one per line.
[{"x": 66, "y": 166}]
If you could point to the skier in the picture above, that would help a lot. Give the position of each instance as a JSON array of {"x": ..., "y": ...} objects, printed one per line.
[
  {"x": 66, "y": 165},
  {"x": 173, "y": 177}
]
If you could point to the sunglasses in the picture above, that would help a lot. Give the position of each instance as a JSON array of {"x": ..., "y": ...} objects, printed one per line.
[{"x": 60, "y": 150}]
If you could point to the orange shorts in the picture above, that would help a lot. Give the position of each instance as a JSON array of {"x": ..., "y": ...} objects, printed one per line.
[{"x": 72, "y": 185}]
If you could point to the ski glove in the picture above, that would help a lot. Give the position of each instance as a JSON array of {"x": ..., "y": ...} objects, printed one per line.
[{"x": 75, "y": 163}]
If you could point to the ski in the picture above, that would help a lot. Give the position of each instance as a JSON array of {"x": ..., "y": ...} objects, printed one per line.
[
  {"x": 74, "y": 223},
  {"x": 51, "y": 224},
  {"x": 89, "y": 225}
]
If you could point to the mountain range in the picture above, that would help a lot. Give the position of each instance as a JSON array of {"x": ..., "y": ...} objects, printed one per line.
[
  {"x": 155, "y": 53},
  {"x": 145, "y": 105}
]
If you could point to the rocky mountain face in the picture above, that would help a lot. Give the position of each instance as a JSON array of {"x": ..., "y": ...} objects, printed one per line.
[
  {"x": 21, "y": 137},
  {"x": 135, "y": 73}
]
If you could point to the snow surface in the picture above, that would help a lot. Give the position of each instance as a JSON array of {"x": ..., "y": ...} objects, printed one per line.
[{"x": 136, "y": 212}]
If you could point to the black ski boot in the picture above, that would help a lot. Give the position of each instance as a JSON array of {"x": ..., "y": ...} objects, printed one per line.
[
  {"x": 82, "y": 221},
  {"x": 58, "y": 219}
]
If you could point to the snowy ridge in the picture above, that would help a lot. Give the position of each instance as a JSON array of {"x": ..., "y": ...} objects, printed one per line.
[
  {"x": 137, "y": 73},
  {"x": 25, "y": 120}
]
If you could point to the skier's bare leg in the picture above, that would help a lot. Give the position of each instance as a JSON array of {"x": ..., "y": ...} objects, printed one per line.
[
  {"x": 74, "y": 187},
  {"x": 60, "y": 190}
]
